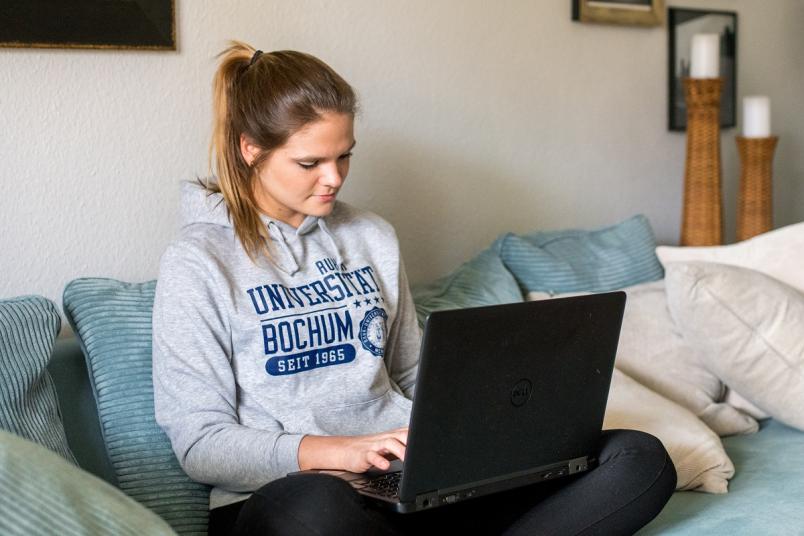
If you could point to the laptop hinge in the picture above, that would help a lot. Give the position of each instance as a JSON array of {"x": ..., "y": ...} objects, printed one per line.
[{"x": 502, "y": 483}]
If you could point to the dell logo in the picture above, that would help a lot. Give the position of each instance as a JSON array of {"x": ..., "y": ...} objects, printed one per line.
[{"x": 520, "y": 394}]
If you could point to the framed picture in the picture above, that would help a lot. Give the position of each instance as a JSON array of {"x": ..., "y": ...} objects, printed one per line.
[
  {"x": 682, "y": 24},
  {"x": 632, "y": 12},
  {"x": 140, "y": 24}
]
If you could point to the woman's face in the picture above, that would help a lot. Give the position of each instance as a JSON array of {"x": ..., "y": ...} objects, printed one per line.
[{"x": 303, "y": 176}]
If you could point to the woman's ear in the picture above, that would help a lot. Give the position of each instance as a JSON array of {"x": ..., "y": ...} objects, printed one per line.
[{"x": 248, "y": 149}]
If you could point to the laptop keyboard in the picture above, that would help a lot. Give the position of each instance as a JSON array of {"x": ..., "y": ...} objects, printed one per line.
[{"x": 386, "y": 485}]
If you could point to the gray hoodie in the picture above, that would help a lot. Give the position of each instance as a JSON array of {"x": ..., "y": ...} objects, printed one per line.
[{"x": 247, "y": 358}]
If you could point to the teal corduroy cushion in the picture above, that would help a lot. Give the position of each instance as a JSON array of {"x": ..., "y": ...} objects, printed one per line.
[
  {"x": 483, "y": 280},
  {"x": 28, "y": 403},
  {"x": 40, "y": 493},
  {"x": 113, "y": 322},
  {"x": 576, "y": 260}
]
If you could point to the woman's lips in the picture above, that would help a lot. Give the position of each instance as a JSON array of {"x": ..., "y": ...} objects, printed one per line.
[{"x": 330, "y": 197}]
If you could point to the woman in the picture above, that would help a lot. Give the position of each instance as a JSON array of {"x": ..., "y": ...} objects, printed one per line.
[{"x": 285, "y": 336}]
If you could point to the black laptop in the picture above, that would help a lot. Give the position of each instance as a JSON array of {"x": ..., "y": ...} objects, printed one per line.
[{"x": 506, "y": 396}]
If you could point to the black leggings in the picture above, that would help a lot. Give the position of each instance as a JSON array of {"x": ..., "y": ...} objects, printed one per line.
[{"x": 629, "y": 487}]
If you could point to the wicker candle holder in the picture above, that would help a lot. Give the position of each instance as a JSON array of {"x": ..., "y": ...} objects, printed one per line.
[
  {"x": 702, "y": 220},
  {"x": 755, "y": 206}
]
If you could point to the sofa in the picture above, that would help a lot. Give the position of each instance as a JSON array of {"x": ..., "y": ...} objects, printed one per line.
[
  {"x": 764, "y": 495},
  {"x": 101, "y": 376}
]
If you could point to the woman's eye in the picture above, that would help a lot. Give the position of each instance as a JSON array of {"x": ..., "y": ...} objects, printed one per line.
[{"x": 311, "y": 165}]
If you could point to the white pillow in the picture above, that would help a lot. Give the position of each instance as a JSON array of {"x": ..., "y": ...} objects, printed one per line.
[
  {"x": 697, "y": 452},
  {"x": 751, "y": 329},
  {"x": 653, "y": 352},
  {"x": 779, "y": 254}
]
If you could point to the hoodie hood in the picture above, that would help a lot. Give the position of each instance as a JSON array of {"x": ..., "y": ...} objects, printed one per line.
[{"x": 198, "y": 205}]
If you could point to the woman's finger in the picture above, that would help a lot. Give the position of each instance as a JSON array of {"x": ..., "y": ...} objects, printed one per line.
[
  {"x": 395, "y": 447},
  {"x": 402, "y": 435},
  {"x": 378, "y": 461}
]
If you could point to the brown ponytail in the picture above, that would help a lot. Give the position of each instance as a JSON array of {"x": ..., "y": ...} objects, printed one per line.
[{"x": 268, "y": 100}]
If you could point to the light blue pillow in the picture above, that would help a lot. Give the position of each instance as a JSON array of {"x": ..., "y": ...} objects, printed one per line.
[
  {"x": 29, "y": 406},
  {"x": 40, "y": 493},
  {"x": 113, "y": 322},
  {"x": 483, "y": 280},
  {"x": 576, "y": 260}
]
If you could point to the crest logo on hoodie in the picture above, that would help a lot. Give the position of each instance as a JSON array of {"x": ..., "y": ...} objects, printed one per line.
[{"x": 372, "y": 331}]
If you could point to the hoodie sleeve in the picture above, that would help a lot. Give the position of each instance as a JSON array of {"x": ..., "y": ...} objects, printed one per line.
[
  {"x": 402, "y": 355},
  {"x": 194, "y": 386}
]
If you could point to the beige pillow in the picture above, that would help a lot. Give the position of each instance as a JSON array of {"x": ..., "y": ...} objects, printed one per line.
[
  {"x": 697, "y": 452},
  {"x": 750, "y": 327},
  {"x": 778, "y": 253},
  {"x": 652, "y": 351},
  {"x": 735, "y": 400}
]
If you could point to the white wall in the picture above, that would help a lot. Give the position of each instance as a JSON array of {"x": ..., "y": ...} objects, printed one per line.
[{"x": 478, "y": 117}]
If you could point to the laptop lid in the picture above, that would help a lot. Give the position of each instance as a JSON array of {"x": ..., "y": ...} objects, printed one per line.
[{"x": 507, "y": 388}]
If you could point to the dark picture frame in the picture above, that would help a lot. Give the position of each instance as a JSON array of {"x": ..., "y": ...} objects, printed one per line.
[
  {"x": 118, "y": 24},
  {"x": 682, "y": 24},
  {"x": 625, "y": 12}
]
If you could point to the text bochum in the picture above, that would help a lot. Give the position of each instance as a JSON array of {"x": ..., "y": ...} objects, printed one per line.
[{"x": 303, "y": 330}]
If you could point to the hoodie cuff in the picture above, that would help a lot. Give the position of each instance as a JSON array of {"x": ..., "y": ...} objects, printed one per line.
[{"x": 286, "y": 453}]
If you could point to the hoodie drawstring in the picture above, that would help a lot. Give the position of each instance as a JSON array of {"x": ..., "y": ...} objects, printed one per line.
[
  {"x": 338, "y": 256},
  {"x": 276, "y": 233},
  {"x": 278, "y": 236}
]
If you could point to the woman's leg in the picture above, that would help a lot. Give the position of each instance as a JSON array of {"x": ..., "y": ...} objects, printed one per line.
[
  {"x": 629, "y": 487},
  {"x": 222, "y": 519},
  {"x": 310, "y": 504},
  {"x": 633, "y": 481}
]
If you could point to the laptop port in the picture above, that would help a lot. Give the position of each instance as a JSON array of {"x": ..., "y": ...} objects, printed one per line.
[{"x": 427, "y": 500}]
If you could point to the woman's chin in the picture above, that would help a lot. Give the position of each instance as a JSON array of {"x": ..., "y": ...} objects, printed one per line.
[{"x": 320, "y": 210}]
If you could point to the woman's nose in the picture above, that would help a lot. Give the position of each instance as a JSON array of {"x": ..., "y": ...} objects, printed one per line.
[{"x": 332, "y": 177}]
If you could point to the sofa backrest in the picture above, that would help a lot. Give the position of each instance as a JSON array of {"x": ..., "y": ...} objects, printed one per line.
[{"x": 78, "y": 409}]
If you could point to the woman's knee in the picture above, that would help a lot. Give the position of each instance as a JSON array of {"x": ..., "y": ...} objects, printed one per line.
[
  {"x": 620, "y": 441},
  {"x": 640, "y": 453},
  {"x": 306, "y": 504},
  {"x": 319, "y": 487}
]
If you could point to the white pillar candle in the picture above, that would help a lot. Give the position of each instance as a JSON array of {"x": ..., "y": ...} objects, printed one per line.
[
  {"x": 705, "y": 61},
  {"x": 756, "y": 117}
]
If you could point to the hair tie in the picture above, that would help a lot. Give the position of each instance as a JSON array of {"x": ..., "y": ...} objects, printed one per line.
[{"x": 255, "y": 57}]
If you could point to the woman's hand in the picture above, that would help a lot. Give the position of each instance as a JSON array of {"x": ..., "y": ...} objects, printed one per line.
[
  {"x": 353, "y": 453},
  {"x": 363, "y": 452}
]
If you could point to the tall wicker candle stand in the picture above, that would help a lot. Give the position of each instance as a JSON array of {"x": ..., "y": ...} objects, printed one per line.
[
  {"x": 755, "y": 205},
  {"x": 702, "y": 218}
]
